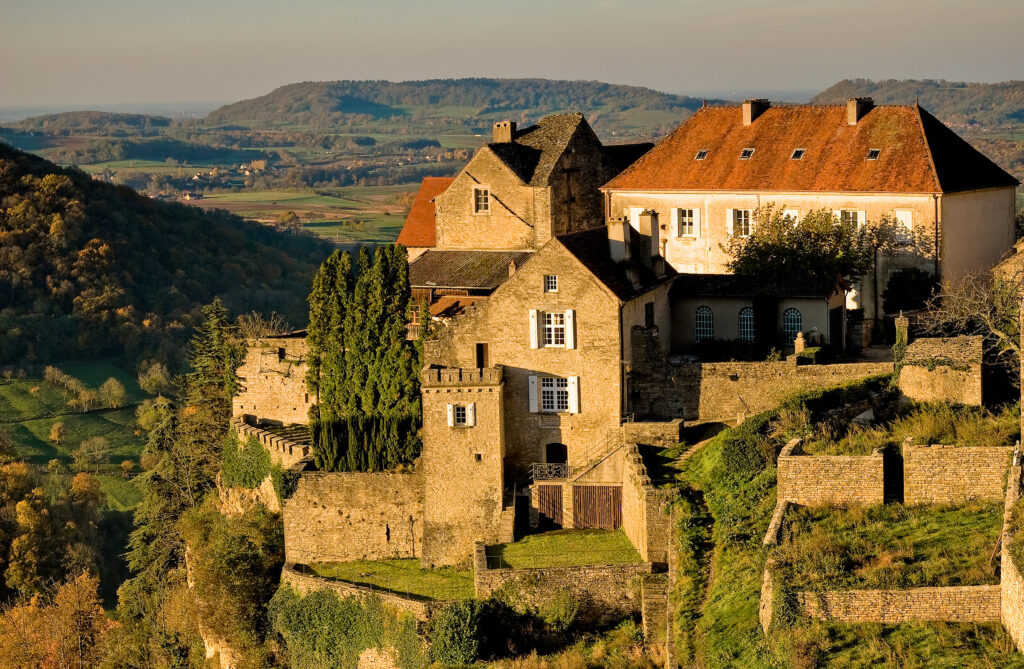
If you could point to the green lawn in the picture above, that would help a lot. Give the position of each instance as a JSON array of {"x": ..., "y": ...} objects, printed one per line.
[
  {"x": 564, "y": 548},
  {"x": 370, "y": 228},
  {"x": 890, "y": 546},
  {"x": 404, "y": 576},
  {"x": 121, "y": 494}
]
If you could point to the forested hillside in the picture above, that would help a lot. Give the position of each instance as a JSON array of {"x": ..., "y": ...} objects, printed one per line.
[
  {"x": 326, "y": 102},
  {"x": 89, "y": 269},
  {"x": 92, "y": 121},
  {"x": 957, "y": 103}
]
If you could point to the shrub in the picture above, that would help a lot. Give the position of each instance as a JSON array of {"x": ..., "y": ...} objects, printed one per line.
[
  {"x": 285, "y": 483},
  {"x": 559, "y": 613},
  {"x": 908, "y": 290},
  {"x": 455, "y": 634},
  {"x": 244, "y": 465}
]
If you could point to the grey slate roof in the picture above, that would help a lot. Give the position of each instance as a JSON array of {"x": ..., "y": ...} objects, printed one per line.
[
  {"x": 535, "y": 150},
  {"x": 481, "y": 270},
  {"x": 590, "y": 247}
]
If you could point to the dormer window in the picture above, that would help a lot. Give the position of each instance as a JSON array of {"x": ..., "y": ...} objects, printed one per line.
[
  {"x": 873, "y": 154},
  {"x": 481, "y": 201},
  {"x": 797, "y": 154},
  {"x": 745, "y": 154},
  {"x": 701, "y": 155}
]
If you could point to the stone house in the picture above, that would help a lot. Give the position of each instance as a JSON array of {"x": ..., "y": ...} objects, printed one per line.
[
  {"x": 709, "y": 176},
  {"x": 418, "y": 235}
]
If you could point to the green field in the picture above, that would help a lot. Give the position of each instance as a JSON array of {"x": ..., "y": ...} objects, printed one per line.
[
  {"x": 564, "y": 548},
  {"x": 403, "y": 576}
]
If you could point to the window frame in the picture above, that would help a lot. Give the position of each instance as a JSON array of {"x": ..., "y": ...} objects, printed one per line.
[
  {"x": 550, "y": 283},
  {"x": 702, "y": 154},
  {"x": 794, "y": 156},
  {"x": 787, "y": 324},
  {"x": 745, "y": 330},
  {"x": 703, "y": 323},
  {"x": 873, "y": 154},
  {"x": 844, "y": 214},
  {"x": 476, "y": 200},
  {"x": 456, "y": 420},
  {"x": 692, "y": 222},
  {"x": 748, "y": 215},
  {"x": 553, "y": 390},
  {"x": 553, "y": 328}
]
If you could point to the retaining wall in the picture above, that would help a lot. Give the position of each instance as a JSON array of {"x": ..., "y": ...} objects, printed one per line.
[
  {"x": 1012, "y": 614},
  {"x": 963, "y": 604},
  {"x": 339, "y": 517},
  {"x": 606, "y": 593},
  {"x": 304, "y": 584},
  {"x": 645, "y": 516},
  {"x": 813, "y": 480},
  {"x": 943, "y": 369},
  {"x": 726, "y": 390},
  {"x": 947, "y": 474}
]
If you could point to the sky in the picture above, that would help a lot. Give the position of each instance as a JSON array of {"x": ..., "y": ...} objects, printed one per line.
[{"x": 77, "y": 54}]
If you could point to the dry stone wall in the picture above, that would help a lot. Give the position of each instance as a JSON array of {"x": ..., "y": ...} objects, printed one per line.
[
  {"x": 645, "y": 516},
  {"x": 273, "y": 382},
  {"x": 339, "y": 517},
  {"x": 943, "y": 369},
  {"x": 843, "y": 480},
  {"x": 284, "y": 452},
  {"x": 606, "y": 593},
  {"x": 1011, "y": 582},
  {"x": 948, "y": 474},
  {"x": 726, "y": 390},
  {"x": 375, "y": 658},
  {"x": 963, "y": 604}
]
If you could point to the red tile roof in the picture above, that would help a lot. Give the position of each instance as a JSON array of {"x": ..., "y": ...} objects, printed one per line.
[
  {"x": 419, "y": 230},
  {"x": 918, "y": 154}
]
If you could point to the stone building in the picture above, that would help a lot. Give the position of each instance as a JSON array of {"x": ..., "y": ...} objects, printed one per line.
[
  {"x": 707, "y": 179},
  {"x": 418, "y": 235}
]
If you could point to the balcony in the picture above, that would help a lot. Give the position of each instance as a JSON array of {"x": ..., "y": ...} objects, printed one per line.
[{"x": 550, "y": 471}]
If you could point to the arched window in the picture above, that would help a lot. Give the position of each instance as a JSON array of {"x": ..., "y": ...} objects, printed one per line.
[
  {"x": 792, "y": 324},
  {"x": 745, "y": 328},
  {"x": 703, "y": 324}
]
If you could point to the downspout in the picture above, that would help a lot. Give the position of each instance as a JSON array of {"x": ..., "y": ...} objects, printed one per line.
[
  {"x": 935, "y": 199},
  {"x": 623, "y": 394}
]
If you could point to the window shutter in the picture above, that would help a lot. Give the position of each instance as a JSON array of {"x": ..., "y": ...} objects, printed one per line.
[
  {"x": 471, "y": 414},
  {"x": 451, "y": 415},
  {"x": 533, "y": 393},
  {"x": 675, "y": 222},
  {"x": 728, "y": 222},
  {"x": 534, "y": 325},
  {"x": 862, "y": 218},
  {"x": 570, "y": 328},
  {"x": 574, "y": 394},
  {"x": 696, "y": 222}
]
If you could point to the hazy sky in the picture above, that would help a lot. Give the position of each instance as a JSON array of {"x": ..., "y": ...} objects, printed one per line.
[{"x": 101, "y": 52}]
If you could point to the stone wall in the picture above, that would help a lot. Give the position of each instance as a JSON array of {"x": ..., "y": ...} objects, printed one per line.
[
  {"x": 273, "y": 382},
  {"x": 304, "y": 584},
  {"x": 284, "y": 452},
  {"x": 339, "y": 517},
  {"x": 948, "y": 474},
  {"x": 1011, "y": 582},
  {"x": 606, "y": 593},
  {"x": 829, "y": 479},
  {"x": 234, "y": 501},
  {"x": 764, "y": 605},
  {"x": 374, "y": 658},
  {"x": 653, "y": 392},
  {"x": 726, "y": 390},
  {"x": 645, "y": 516},
  {"x": 943, "y": 369},
  {"x": 963, "y": 604},
  {"x": 664, "y": 434}
]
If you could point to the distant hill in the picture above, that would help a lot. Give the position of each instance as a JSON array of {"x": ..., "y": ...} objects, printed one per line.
[
  {"x": 333, "y": 101},
  {"x": 957, "y": 103},
  {"x": 89, "y": 269},
  {"x": 92, "y": 122}
]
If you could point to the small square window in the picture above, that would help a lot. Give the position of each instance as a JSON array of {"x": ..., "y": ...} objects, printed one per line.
[
  {"x": 873, "y": 154},
  {"x": 481, "y": 201},
  {"x": 550, "y": 283},
  {"x": 478, "y": 457},
  {"x": 797, "y": 154},
  {"x": 701, "y": 155},
  {"x": 459, "y": 415},
  {"x": 745, "y": 154}
]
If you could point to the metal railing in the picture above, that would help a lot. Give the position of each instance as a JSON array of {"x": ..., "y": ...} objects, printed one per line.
[{"x": 550, "y": 471}]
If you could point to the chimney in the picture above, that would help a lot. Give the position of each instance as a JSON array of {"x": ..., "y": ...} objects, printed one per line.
[
  {"x": 754, "y": 108},
  {"x": 857, "y": 108},
  {"x": 504, "y": 132},
  {"x": 618, "y": 238}
]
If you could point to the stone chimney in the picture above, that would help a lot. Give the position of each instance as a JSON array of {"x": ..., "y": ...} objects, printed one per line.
[
  {"x": 857, "y": 108},
  {"x": 504, "y": 132},
  {"x": 754, "y": 108},
  {"x": 618, "y": 238},
  {"x": 649, "y": 228}
]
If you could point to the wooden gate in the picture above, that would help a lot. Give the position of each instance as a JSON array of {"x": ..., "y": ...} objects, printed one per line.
[
  {"x": 597, "y": 506},
  {"x": 549, "y": 504}
]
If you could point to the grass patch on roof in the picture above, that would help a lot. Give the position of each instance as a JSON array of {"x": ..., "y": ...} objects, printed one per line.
[
  {"x": 564, "y": 548},
  {"x": 402, "y": 576},
  {"x": 890, "y": 546}
]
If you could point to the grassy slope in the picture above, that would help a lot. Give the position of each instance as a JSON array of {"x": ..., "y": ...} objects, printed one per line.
[
  {"x": 565, "y": 548},
  {"x": 403, "y": 576}
]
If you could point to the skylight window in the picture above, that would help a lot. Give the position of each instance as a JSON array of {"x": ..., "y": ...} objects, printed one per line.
[
  {"x": 701, "y": 155},
  {"x": 873, "y": 154},
  {"x": 797, "y": 154},
  {"x": 746, "y": 153}
]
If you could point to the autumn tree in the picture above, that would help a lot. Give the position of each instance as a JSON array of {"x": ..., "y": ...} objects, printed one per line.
[
  {"x": 154, "y": 378},
  {"x": 112, "y": 393},
  {"x": 57, "y": 432}
]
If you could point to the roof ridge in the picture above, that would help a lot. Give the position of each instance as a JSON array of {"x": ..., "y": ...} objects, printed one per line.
[{"x": 927, "y": 147}]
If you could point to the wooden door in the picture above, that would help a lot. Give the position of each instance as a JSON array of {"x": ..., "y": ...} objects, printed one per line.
[
  {"x": 549, "y": 503},
  {"x": 598, "y": 506}
]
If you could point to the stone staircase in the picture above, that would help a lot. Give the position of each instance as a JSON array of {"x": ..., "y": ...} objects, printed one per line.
[
  {"x": 507, "y": 520},
  {"x": 596, "y": 454}
]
